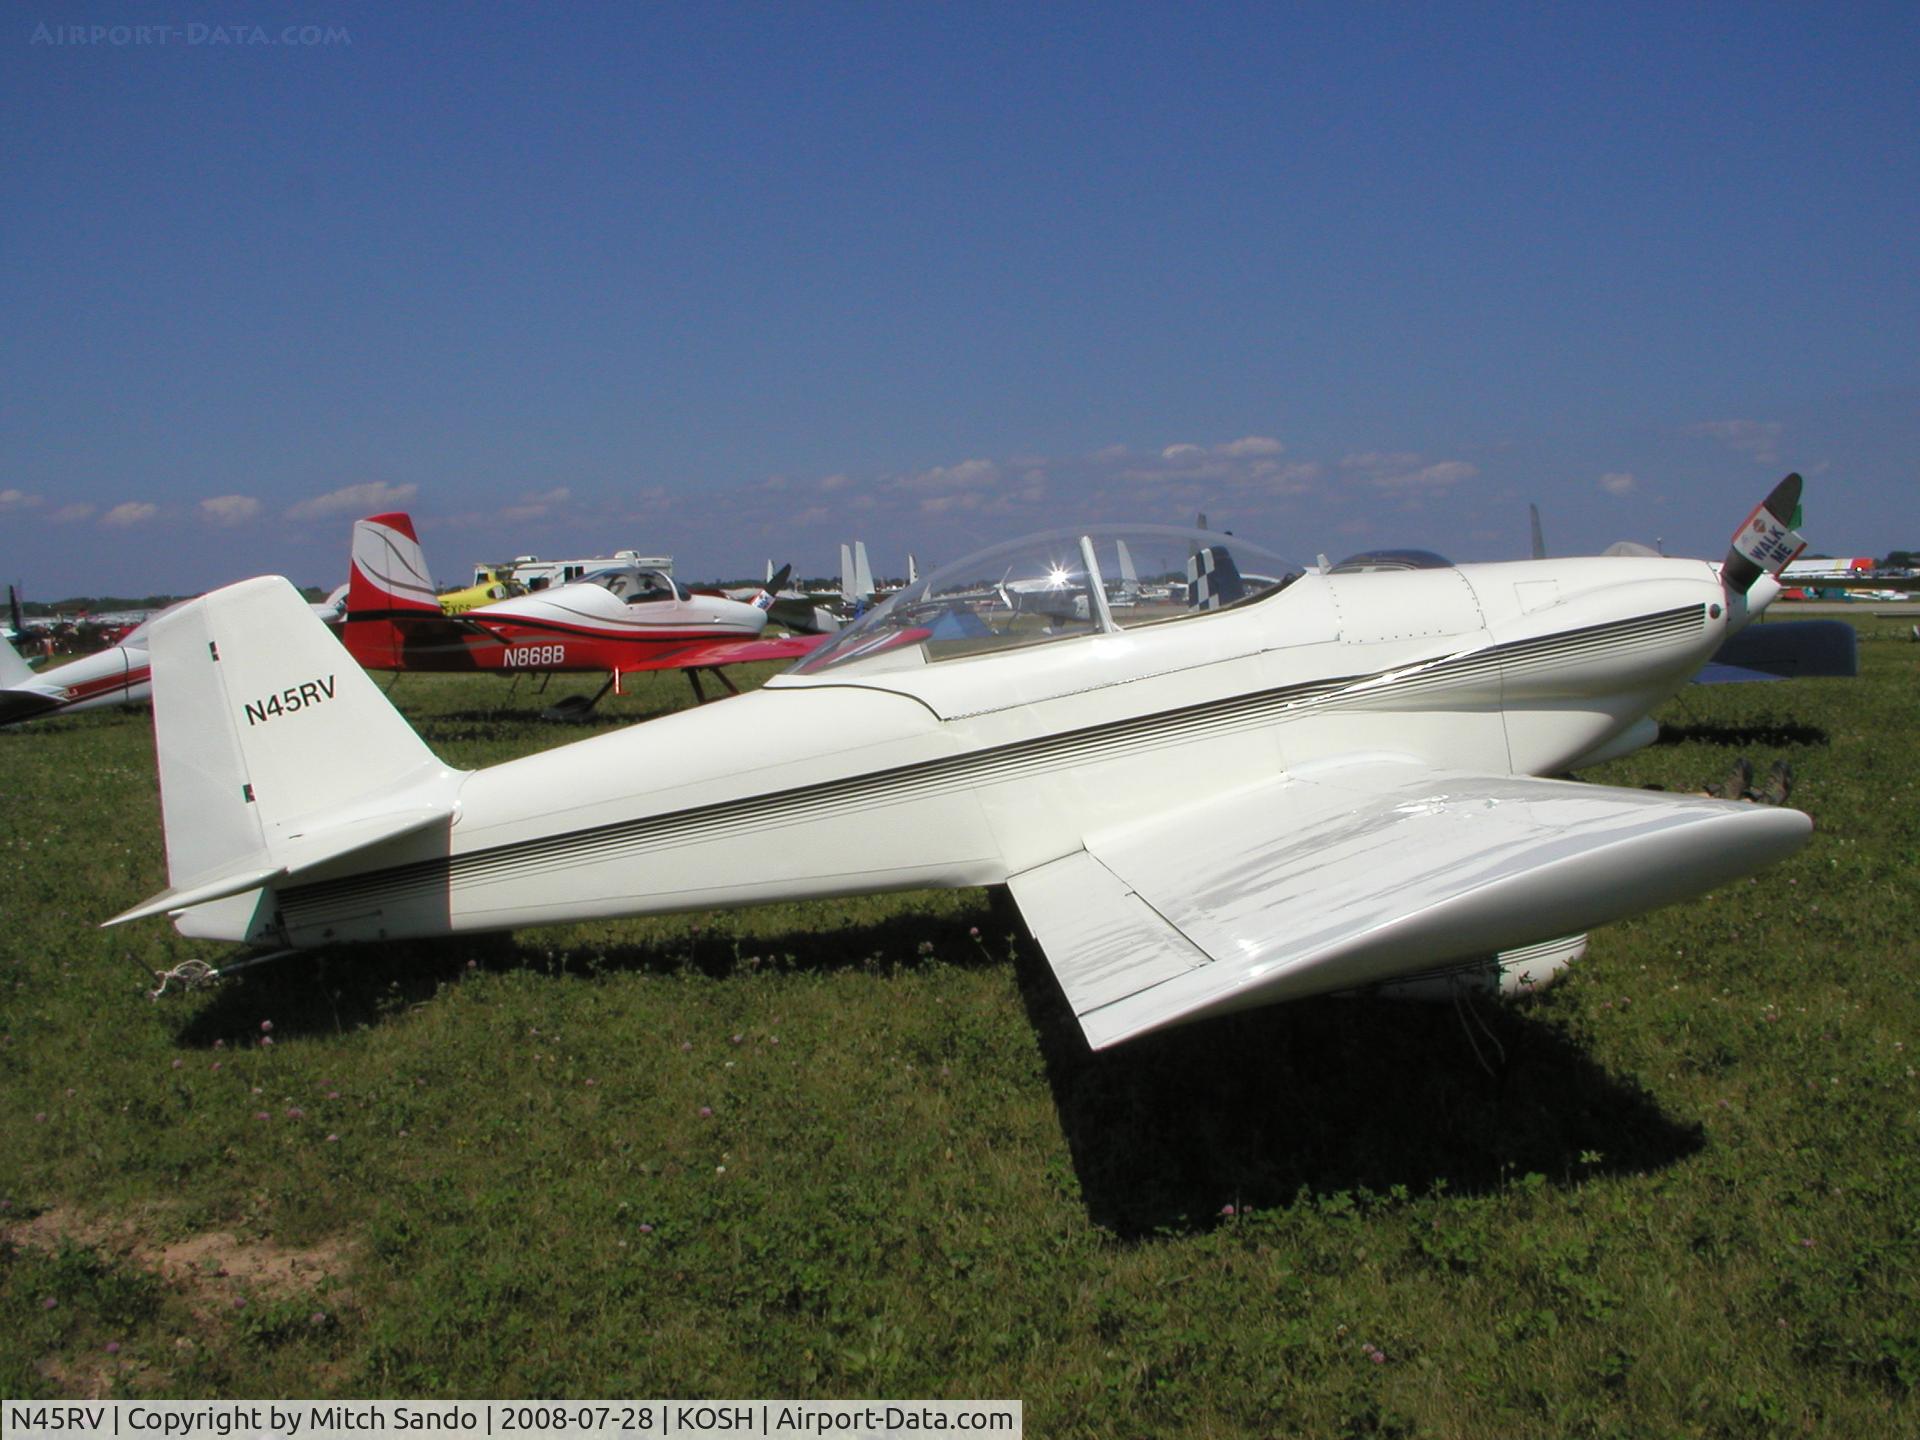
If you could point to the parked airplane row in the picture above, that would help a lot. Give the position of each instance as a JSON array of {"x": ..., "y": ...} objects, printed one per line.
[
  {"x": 626, "y": 613},
  {"x": 613, "y": 616}
]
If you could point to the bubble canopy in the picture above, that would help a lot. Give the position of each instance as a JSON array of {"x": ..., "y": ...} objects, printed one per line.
[{"x": 1057, "y": 585}]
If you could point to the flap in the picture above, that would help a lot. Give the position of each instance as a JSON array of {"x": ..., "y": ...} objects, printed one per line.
[
  {"x": 1103, "y": 941},
  {"x": 1357, "y": 873}
]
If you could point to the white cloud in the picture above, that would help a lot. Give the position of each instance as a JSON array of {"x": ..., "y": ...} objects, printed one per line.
[
  {"x": 967, "y": 475},
  {"x": 229, "y": 509},
  {"x": 958, "y": 500},
  {"x": 1756, "y": 439},
  {"x": 129, "y": 513},
  {"x": 1618, "y": 482},
  {"x": 534, "y": 507},
  {"x": 1380, "y": 460},
  {"x": 17, "y": 500},
  {"x": 367, "y": 498},
  {"x": 1298, "y": 479},
  {"x": 1190, "y": 473},
  {"x": 837, "y": 481},
  {"x": 649, "y": 503},
  {"x": 1405, "y": 471},
  {"x": 1441, "y": 476}
]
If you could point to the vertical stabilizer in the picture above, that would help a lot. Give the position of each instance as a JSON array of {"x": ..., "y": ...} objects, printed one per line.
[
  {"x": 13, "y": 670},
  {"x": 862, "y": 572},
  {"x": 276, "y": 750},
  {"x": 1213, "y": 580},
  {"x": 389, "y": 569},
  {"x": 389, "y": 593}
]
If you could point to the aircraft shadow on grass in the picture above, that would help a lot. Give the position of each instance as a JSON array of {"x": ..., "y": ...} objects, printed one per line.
[
  {"x": 1326, "y": 1096},
  {"x": 1774, "y": 732},
  {"x": 1331, "y": 1095},
  {"x": 1318, "y": 1096},
  {"x": 335, "y": 990}
]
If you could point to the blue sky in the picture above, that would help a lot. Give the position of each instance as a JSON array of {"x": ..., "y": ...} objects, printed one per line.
[{"x": 739, "y": 281}]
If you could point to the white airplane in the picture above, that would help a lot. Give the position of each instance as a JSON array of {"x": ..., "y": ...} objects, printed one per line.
[
  {"x": 117, "y": 675},
  {"x": 1269, "y": 789}
]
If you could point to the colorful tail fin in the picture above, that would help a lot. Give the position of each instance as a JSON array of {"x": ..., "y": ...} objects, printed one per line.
[
  {"x": 388, "y": 588},
  {"x": 389, "y": 567}
]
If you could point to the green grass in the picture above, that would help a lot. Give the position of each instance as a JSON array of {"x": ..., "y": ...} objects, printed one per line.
[{"x": 1680, "y": 1197}]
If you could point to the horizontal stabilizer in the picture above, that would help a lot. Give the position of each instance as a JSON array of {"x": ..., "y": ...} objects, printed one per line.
[
  {"x": 24, "y": 704},
  {"x": 305, "y": 851},
  {"x": 1361, "y": 874}
]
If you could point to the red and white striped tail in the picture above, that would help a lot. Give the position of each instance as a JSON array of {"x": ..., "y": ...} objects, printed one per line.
[
  {"x": 388, "y": 586},
  {"x": 389, "y": 568}
]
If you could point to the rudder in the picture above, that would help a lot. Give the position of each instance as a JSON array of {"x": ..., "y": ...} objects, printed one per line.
[{"x": 388, "y": 587}]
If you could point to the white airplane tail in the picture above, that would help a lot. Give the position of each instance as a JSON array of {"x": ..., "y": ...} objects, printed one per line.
[
  {"x": 13, "y": 670},
  {"x": 856, "y": 575},
  {"x": 862, "y": 571},
  {"x": 277, "y": 754}
]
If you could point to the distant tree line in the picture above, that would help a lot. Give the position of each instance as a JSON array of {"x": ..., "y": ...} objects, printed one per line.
[{"x": 89, "y": 604}]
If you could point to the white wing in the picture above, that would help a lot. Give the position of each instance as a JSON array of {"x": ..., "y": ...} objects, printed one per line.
[{"x": 1362, "y": 872}]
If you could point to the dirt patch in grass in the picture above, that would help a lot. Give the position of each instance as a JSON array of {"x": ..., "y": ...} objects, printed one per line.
[{"x": 209, "y": 1270}]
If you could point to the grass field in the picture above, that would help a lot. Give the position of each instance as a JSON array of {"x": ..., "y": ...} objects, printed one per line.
[{"x": 857, "y": 1149}]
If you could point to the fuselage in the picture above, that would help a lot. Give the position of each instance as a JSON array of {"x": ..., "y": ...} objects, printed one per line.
[
  {"x": 118, "y": 675},
  {"x": 896, "y": 770},
  {"x": 629, "y": 620}
]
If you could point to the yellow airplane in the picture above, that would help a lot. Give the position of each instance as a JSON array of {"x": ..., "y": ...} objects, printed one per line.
[{"x": 494, "y": 586}]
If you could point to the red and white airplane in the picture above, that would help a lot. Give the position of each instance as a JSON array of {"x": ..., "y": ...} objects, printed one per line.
[
  {"x": 624, "y": 618},
  {"x": 118, "y": 675}
]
